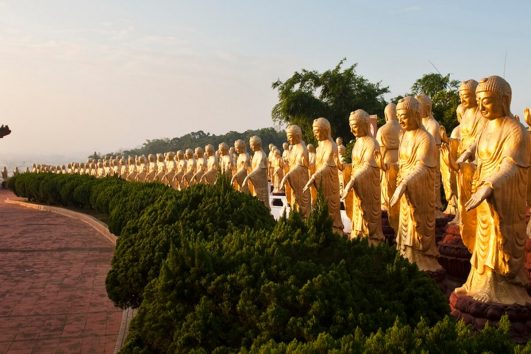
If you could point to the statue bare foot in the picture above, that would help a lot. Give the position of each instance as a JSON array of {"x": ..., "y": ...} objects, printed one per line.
[
  {"x": 481, "y": 297},
  {"x": 461, "y": 290}
]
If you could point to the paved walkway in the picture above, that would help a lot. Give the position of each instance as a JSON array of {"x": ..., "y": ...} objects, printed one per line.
[{"x": 52, "y": 284}]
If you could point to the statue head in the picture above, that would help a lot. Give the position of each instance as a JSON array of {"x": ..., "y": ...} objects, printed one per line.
[
  {"x": 322, "y": 129},
  {"x": 493, "y": 95},
  {"x": 223, "y": 149},
  {"x": 189, "y": 153},
  {"x": 179, "y": 155},
  {"x": 285, "y": 146},
  {"x": 152, "y": 158},
  {"x": 199, "y": 152},
  {"x": 239, "y": 145},
  {"x": 467, "y": 94},
  {"x": 209, "y": 150},
  {"x": 339, "y": 141},
  {"x": 359, "y": 122},
  {"x": 390, "y": 112},
  {"x": 425, "y": 105},
  {"x": 160, "y": 157},
  {"x": 310, "y": 148},
  {"x": 407, "y": 111},
  {"x": 170, "y": 156},
  {"x": 293, "y": 134},
  {"x": 255, "y": 143},
  {"x": 231, "y": 150}
]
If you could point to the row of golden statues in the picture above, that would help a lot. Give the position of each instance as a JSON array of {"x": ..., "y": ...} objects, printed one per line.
[{"x": 482, "y": 166}]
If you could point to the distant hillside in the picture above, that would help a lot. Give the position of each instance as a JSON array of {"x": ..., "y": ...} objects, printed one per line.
[{"x": 200, "y": 138}]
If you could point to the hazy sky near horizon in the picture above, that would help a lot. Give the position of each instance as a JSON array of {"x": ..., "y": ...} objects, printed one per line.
[{"x": 104, "y": 75}]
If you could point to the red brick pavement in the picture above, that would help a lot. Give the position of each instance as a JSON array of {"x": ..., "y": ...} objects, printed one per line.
[{"x": 52, "y": 284}]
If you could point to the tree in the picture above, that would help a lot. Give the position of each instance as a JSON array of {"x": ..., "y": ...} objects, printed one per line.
[
  {"x": 332, "y": 94},
  {"x": 95, "y": 156},
  {"x": 444, "y": 93}
]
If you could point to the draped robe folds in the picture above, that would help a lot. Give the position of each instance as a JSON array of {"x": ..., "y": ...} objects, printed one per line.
[
  {"x": 499, "y": 237},
  {"x": 366, "y": 211},
  {"x": 297, "y": 178},
  {"x": 211, "y": 173},
  {"x": 258, "y": 177},
  {"x": 388, "y": 137},
  {"x": 416, "y": 230},
  {"x": 471, "y": 126},
  {"x": 327, "y": 180},
  {"x": 242, "y": 167}
]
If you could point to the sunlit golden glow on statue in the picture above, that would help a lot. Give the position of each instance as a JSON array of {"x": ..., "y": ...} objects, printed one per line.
[
  {"x": 325, "y": 176},
  {"x": 298, "y": 175},
  {"x": 365, "y": 181},
  {"x": 415, "y": 189},
  {"x": 243, "y": 165},
  {"x": 258, "y": 174},
  {"x": 499, "y": 193},
  {"x": 388, "y": 137}
]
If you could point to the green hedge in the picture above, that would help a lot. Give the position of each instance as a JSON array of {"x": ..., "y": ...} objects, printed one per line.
[{"x": 212, "y": 272}]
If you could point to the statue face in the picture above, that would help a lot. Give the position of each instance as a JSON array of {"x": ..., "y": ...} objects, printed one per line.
[
  {"x": 357, "y": 128},
  {"x": 490, "y": 105},
  {"x": 318, "y": 133},
  {"x": 407, "y": 120},
  {"x": 468, "y": 99},
  {"x": 292, "y": 138}
]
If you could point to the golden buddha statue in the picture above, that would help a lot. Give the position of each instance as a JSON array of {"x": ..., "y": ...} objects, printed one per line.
[
  {"x": 161, "y": 168},
  {"x": 278, "y": 171},
  {"x": 499, "y": 193},
  {"x": 388, "y": 138},
  {"x": 170, "y": 168},
  {"x": 297, "y": 175},
  {"x": 311, "y": 171},
  {"x": 417, "y": 163},
  {"x": 201, "y": 165},
  {"x": 258, "y": 174},
  {"x": 179, "y": 170},
  {"x": 188, "y": 174},
  {"x": 243, "y": 165},
  {"x": 270, "y": 158},
  {"x": 433, "y": 127},
  {"x": 225, "y": 163},
  {"x": 211, "y": 173},
  {"x": 142, "y": 169},
  {"x": 365, "y": 181},
  {"x": 325, "y": 176}
]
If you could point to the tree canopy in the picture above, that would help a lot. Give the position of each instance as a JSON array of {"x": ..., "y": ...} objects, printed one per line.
[
  {"x": 332, "y": 94},
  {"x": 444, "y": 93},
  {"x": 200, "y": 138}
]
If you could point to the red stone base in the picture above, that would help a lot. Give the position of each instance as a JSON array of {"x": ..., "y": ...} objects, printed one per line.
[
  {"x": 477, "y": 314},
  {"x": 454, "y": 256}
]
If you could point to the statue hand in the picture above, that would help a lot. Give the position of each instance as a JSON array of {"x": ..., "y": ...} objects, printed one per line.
[
  {"x": 464, "y": 157},
  {"x": 307, "y": 186},
  {"x": 399, "y": 191},
  {"x": 283, "y": 182},
  {"x": 481, "y": 194},
  {"x": 527, "y": 116},
  {"x": 347, "y": 188}
]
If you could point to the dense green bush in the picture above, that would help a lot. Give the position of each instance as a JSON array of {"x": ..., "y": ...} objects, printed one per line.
[
  {"x": 208, "y": 212},
  {"x": 295, "y": 282}
]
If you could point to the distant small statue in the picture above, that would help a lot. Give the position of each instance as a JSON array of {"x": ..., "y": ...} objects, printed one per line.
[{"x": 258, "y": 174}]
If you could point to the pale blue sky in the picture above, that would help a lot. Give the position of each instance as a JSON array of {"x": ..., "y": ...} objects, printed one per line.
[{"x": 79, "y": 76}]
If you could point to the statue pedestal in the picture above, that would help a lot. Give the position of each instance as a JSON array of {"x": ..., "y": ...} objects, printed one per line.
[
  {"x": 454, "y": 256},
  {"x": 477, "y": 314}
]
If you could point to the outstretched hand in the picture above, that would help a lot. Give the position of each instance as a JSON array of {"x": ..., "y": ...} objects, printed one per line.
[
  {"x": 399, "y": 191},
  {"x": 464, "y": 157},
  {"x": 481, "y": 194}
]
